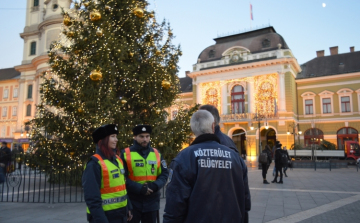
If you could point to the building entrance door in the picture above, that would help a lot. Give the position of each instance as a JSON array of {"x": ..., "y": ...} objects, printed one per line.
[{"x": 239, "y": 137}]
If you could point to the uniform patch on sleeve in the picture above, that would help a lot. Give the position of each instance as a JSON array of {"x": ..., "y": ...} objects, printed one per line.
[
  {"x": 170, "y": 175},
  {"x": 139, "y": 164},
  {"x": 163, "y": 163}
]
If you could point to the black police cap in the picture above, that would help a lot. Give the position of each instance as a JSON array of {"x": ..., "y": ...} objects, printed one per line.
[
  {"x": 104, "y": 131},
  {"x": 141, "y": 129}
]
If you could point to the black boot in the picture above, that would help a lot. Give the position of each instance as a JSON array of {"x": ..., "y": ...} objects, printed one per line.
[
  {"x": 285, "y": 174},
  {"x": 280, "y": 182},
  {"x": 266, "y": 182},
  {"x": 274, "y": 181}
]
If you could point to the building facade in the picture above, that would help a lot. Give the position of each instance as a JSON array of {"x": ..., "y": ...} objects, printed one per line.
[
  {"x": 264, "y": 95},
  {"x": 42, "y": 27}
]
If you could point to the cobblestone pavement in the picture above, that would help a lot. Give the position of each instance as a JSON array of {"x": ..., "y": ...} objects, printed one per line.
[{"x": 319, "y": 196}]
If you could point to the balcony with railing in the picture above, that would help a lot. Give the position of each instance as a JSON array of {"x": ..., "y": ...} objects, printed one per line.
[{"x": 243, "y": 117}]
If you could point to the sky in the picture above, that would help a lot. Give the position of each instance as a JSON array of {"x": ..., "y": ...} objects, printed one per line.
[{"x": 306, "y": 25}]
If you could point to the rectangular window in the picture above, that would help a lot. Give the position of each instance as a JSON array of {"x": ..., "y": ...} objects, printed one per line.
[
  {"x": 15, "y": 94},
  {"x": 326, "y": 105},
  {"x": 14, "y": 111},
  {"x": 345, "y": 104},
  {"x": 6, "y": 93},
  {"x": 33, "y": 48},
  {"x": 36, "y": 3},
  {"x": 309, "y": 107},
  {"x": 4, "y": 111},
  {"x": 29, "y": 95}
]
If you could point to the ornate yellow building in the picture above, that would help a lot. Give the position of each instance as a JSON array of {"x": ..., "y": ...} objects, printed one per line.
[{"x": 264, "y": 95}]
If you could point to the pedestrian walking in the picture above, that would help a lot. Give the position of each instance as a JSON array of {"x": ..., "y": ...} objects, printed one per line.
[
  {"x": 265, "y": 166},
  {"x": 5, "y": 157},
  {"x": 146, "y": 173},
  {"x": 227, "y": 141},
  {"x": 278, "y": 164},
  {"x": 103, "y": 180},
  {"x": 205, "y": 181},
  {"x": 288, "y": 158}
]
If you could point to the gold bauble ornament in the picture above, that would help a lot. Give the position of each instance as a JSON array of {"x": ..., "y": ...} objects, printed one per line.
[
  {"x": 166, "y": 84},
  {"x": 123, "y": 101},
  {"x": 70, "y": 33},
  {"x": 99, "y": 32},
  {"x": 95, "y": 75},
  {"x": 72, "y": 153},
  {"x": 107, "y": 8},
  {"x": 157, "y": 52},
  {"x": 131, "y": 54},
  {"x": 139, "y": 12},
  {"x": 158, "y": 111},
  {"x": 173, "y": 67},
  {"x": 77, "y": 52},
  {"x": 170, "y": 33},
  {"x": 86, "y": 4},
  {"x": 80, "y": 110},
  {"x": 67, "y": 21},
  {"x": 151, "y": 15},
  {"x": 161, "y": 144},
  {"x": 95, "y": 15}
]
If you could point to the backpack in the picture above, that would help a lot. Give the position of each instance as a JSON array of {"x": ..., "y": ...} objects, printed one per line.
[
  {"x": 263, "y": 158},
  {"x": 284, "y": 159}
]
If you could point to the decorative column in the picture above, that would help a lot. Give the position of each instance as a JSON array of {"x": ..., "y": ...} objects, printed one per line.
[
  {"x": 250, "y": 96},
  {"x": 282, "y": 104},
  {"x": 224, "y": 102},
  {"x": 198, "y": 93}
]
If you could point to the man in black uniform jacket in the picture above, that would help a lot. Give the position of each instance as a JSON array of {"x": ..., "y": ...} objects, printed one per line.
[{"x": 205, "y": 179}]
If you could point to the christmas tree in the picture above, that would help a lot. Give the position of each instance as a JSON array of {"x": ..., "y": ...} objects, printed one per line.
[{"x": 114, "y": 64}]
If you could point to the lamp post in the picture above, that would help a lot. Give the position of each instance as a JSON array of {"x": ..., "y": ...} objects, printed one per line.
[
  {"x": 258, "y": 118},
  {"x": 298, "y": 133}
]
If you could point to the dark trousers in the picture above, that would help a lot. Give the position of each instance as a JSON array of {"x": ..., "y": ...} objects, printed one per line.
[
  {"x": 278, "y": 170},
  {"x": 144, "y": 217},
  {"x": 264, "y": 168}
]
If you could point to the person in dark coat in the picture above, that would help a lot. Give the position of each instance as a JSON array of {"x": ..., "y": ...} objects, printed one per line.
[
  {"x": 205, "y": 181},
  {"x": 265, "y": 166},
  {"x": 227, "y": 141},
  {"x": 287, "y": 154},
  {"x": 105, "y": 138},
  {"x": 278, "y": 164},
  {"x": 5, "y": 157},
  {"x": 144, "y": 196}
]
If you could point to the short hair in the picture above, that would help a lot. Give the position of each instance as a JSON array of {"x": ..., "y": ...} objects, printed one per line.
[
  {"x": 201, "y": 122},
  {"x": 213, "y": 110}
]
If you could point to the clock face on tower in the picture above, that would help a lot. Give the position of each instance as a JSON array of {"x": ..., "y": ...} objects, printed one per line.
[{"x": 235, "y": 58}]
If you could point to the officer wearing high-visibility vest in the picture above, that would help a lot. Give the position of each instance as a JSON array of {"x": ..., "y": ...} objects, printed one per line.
[
  {"x": 103, "y": 180},
  {"x": 146, "y": 173}
]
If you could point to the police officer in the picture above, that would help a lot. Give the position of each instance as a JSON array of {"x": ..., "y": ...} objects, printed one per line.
[
  {"x": 146, "y": 173},
  {"x": 205, "y": 179},
  {"x": 103, "y": 180}
]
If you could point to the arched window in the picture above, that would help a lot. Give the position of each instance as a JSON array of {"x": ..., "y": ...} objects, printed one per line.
[
  {"x": 313, "y": 136},
  {"x": 237, "y": 99},
  {"x": 346, "y": 134},
  {"x": 28, "y": 110},
  {"x": 212, "y": 97}
]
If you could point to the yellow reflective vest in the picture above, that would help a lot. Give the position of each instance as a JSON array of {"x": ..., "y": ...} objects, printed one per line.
[
  {"x": 113, "y": 190},
  {"x": 143, "y": 170}
]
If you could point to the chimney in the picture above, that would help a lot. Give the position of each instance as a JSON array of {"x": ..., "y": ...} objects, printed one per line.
[
  {"x": 352, "y": 49},
  {"x": 334, "y": 50},
  {"x": 320, "y": 53}
]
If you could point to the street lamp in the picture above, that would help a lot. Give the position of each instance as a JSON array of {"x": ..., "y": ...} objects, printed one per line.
[
  {"x": 298, "y": 133},
  {"x": 258, "y": 118}
]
